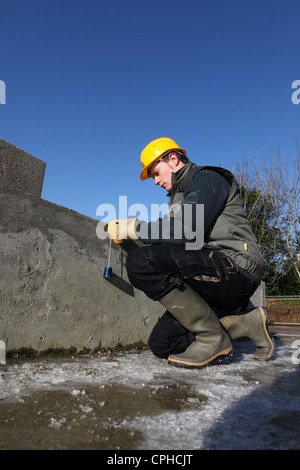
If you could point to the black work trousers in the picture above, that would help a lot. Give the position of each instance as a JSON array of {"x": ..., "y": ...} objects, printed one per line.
[{"x": 159, "y": 269}]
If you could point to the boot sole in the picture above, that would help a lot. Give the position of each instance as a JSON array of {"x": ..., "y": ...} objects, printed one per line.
[
  {"x": 199, "y": 365},
  {"x": 265, "y": 320}
]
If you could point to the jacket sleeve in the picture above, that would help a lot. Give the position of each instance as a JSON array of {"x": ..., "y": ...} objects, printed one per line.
[{"x": 209, "y": 189}]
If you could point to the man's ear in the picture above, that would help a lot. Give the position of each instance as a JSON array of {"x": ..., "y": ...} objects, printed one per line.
[{"x": 173, "y": 158}]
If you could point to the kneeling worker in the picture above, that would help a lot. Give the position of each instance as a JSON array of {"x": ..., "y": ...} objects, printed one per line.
[{"x": 205, "y": 289}]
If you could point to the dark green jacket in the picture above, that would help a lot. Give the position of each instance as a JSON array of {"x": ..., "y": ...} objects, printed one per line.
[{"x": 225, "y": 225}]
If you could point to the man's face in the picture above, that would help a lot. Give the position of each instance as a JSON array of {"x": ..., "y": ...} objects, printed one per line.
[{"x": 161, "y": 172}]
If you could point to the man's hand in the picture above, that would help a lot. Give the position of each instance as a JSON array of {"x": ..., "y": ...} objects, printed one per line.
[{"x": 122, "y": 229}]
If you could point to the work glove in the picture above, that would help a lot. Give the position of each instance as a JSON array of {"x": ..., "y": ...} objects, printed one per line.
[{"x": 122, "y": 229}]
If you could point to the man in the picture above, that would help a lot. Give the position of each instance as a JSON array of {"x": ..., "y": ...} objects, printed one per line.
[{"x": 206, "y": 288}]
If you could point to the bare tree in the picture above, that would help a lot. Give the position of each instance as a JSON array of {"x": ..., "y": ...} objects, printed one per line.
[
  {"x": 279, "y": 177},
  {"x": 275, "y": 179}
]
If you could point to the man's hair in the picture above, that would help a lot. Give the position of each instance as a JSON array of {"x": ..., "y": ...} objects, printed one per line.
[{"x": 180, "y": 155}]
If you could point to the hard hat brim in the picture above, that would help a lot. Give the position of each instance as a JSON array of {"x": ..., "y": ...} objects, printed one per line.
[{"x": 145, "y": 171}]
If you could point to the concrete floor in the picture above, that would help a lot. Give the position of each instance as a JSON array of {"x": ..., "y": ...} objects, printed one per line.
[{"x": 134, "y": 401}]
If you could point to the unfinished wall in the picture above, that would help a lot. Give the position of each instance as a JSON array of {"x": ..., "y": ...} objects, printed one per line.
[{"x": 53, "y": 294}]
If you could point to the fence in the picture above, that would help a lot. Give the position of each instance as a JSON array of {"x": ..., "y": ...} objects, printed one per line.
[{"x": 284, "y": 310}]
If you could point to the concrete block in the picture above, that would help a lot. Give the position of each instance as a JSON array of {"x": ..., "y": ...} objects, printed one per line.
[{"x": 20, "y": 170}]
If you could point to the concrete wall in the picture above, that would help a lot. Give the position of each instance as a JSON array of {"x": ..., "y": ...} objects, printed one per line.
[{"x": 53, "y": 294}]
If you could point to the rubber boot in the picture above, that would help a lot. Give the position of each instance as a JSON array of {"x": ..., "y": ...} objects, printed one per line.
[
  {"x": 253, "y": 325},
  {"x": 211, "y": 340}
]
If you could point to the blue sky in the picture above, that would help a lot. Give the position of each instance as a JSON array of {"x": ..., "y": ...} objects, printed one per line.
[{"x": 90, "y": 82}]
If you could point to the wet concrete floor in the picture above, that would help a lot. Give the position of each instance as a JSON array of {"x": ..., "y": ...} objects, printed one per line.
[{"x": 134, "y": 401}]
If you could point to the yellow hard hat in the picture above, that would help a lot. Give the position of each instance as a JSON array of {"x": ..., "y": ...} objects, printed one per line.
[{"x": 154, "y": 151}]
